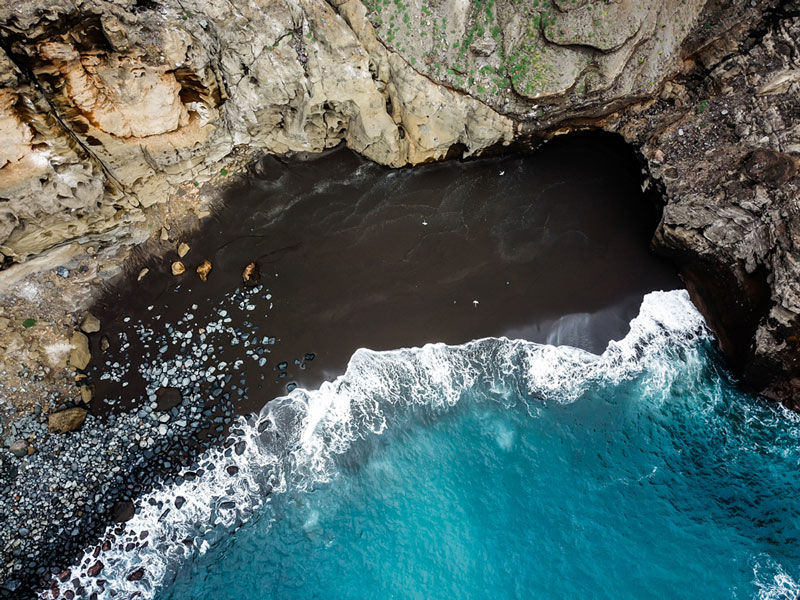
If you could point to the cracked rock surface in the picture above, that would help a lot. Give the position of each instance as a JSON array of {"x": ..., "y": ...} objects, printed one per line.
[{"x": 724, "y": 145}]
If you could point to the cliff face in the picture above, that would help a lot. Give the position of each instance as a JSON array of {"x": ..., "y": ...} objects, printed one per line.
[
  {"x": 728, "y": 159},
  {"x": 107, "y": 106}
]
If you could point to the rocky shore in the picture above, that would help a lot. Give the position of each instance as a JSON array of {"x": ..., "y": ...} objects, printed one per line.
[{"x": 115, "y": 114}]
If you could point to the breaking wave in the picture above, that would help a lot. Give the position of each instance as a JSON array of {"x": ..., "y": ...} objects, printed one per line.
[{"x": 294, "y": 443}]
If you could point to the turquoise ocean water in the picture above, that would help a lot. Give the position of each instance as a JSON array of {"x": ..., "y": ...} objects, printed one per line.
[{"x": 498, "y": 469}]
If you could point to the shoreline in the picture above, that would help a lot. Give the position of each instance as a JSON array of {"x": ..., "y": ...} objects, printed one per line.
[
  {"x": 182, "y": 519},
  {"x": 131, "y": 435}
]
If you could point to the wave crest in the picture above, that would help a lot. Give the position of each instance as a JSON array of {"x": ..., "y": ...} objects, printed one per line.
[{"x": 294, "y": 441}]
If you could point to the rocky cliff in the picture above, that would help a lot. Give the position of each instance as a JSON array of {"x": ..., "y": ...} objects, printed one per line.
[{"x": 108, "y": 106}]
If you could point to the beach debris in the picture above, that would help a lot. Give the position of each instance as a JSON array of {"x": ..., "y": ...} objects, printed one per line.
[
  {"x": 62, "y": 272},
  {"x": 475, "y": 303},
  {"x": 66, "y": 420},
  {"x": 424, "y": 222},
  {"x": 178, "y": 268},
  {"x": 30, "y": 322},
  {"x": 80, "y": 355},
  {"x": 104, "y": 344},
  {"x": 204, "y": 269},
  {"x": 142, "y": 273},
  {"x": 251, "y": 274},
  {"x": 164, "y": 234},
  {"x": 183, "y": 249},
  {"x": 90, "y": 324}
]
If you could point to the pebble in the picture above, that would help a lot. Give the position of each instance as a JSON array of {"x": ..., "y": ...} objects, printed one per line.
[{"x": 181, "y": 355}]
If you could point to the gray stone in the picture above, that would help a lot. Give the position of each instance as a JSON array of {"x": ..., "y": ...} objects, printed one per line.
[{"x": 19, "y": 448}]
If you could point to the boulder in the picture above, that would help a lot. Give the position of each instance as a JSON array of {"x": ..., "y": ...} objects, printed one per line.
[
  {"x": 251, "y": 275},
  {"x": 80, "y": 355},
  {"x": 123, "y": 511},
  {"x": 178, "y": 268},
  {"x": 95, "y": 569},
  {"x": 168, "y": 398},
  {"x": 86, "y": 394},
  {"x": 66, "y": 420},
  {"x": 19, "y": 448},
  {"x": 204, "y": 269},
  {"x": 91, "y": 324}
]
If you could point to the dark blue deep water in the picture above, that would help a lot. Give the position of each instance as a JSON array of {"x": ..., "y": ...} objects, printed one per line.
[
  {"x": 667, "y": 483},
  {"x": 497, "y": 469}
]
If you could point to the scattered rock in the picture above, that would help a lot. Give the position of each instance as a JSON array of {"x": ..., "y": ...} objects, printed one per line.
[
  {"x": 79, "y": 356},
  {"x": 66, "y": 420},
  {"x": 164, "y": 234},
  {"x": 95, "y": 569},
  {"x": 91, "y": 324},
  {"x": 123, "y": 511},
  {"x": 168, "y": 398},
  {"x": 204, "y": 269},
  {"x": 770, "y": 167},
  {"x": 19, "y": 448},
  {"x": 178, "y": 268},
  {"x": 183, "y": 249},
  {"x": 136, "y": 575},
  {"x": 104, "y": 343},
  {"x": 86, "y": 394},
  {"x": 251, "y": 275}
]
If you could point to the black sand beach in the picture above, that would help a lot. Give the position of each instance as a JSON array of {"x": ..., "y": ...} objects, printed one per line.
[{"x": 551, "y": 247}]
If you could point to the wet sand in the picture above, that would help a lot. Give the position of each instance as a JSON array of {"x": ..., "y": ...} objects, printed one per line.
[{"x": 551, "y": 247}]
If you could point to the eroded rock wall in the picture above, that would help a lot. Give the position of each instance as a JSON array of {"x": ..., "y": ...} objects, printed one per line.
[
  {"x": 107, "y": 106},
  {"x": 726, "y": 148}
]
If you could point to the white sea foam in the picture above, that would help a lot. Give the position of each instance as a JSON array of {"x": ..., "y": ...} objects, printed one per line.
[
  {"x": 295, "y": 440},
  {"x": 772, "y": 581}
]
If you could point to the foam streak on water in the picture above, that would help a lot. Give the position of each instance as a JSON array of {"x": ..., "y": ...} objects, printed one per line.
[{"x": 296, "y": 440}]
